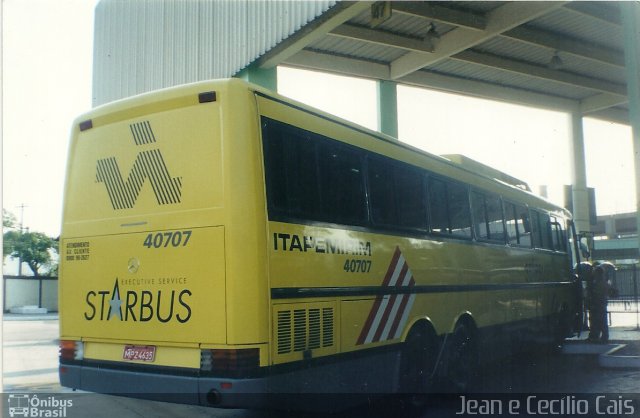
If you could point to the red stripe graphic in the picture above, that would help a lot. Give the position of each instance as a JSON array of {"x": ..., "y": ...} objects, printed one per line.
[
  {"x": 389, "y": 312},
  {"x": 378, "y": 301},
  {"x": 403, "y": 306},
  {"x": 392, "y": 300}
]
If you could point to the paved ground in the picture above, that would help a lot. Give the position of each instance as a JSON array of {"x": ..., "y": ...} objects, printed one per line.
[{"x": 30, "y": 367}]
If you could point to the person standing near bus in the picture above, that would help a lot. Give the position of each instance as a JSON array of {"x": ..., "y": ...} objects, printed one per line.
[
  {"x": 599, "y": 331},
  {"x": 585, "y": 276}
]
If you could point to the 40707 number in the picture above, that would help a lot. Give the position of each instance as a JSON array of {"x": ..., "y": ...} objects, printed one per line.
[
  {"x": 357, "y": 266},
  {"x": 166, "y": 239}
]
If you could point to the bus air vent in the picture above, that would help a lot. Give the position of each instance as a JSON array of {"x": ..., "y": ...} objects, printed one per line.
[
  {"x": 304, "y": 329},
  {"x": 284, "y": 332},
  {"x": 299, "y": 330},
  {"x": 327, "y": 327}
]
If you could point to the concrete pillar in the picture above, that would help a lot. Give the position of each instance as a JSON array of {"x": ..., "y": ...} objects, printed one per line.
[
  {"x": 388, "y": 108},
  {"x": 579, "y": 175},
  {"x": 265, "y": 77},
  {"x": 630, "y": 12}
]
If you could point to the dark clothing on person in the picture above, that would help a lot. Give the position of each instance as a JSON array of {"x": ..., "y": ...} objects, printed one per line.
[{"x": 599, "y": 330}]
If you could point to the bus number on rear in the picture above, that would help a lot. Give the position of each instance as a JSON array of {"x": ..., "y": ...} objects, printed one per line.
[{"x": 167, "y": 239}]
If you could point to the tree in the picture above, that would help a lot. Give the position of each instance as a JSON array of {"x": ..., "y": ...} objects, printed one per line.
[
  {"x": 8, "y": 222},
  {"x": 8, "y": 219},
  {"x": 32, "y": 248}
]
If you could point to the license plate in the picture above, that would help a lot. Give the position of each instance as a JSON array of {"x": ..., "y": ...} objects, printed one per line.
[{"x": 139, "y": 352}]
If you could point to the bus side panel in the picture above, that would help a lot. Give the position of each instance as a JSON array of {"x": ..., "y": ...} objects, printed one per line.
[{"x": 247, "y": 283}]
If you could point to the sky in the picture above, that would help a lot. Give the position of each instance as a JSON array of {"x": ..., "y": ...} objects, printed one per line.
[{"x": 46, "y": 83}]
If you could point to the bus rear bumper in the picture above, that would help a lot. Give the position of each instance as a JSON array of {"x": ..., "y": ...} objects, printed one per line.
[
  {"x": 323, "y": 387},
  {"x": 193, "y": 390}
]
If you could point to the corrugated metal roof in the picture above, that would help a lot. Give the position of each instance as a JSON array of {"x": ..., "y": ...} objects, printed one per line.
[
  {"x": 357, "y": 49},
  {"x": 509, "y": 79},
  {"x": 402, "y": 24},
  {"x": 149, "y": 44},
  {"x": 539, "y": 55},
  {"x": 578, "y": 26}
]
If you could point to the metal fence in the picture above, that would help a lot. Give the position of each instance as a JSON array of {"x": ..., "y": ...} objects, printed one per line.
[{"x": 625, "y": 298}]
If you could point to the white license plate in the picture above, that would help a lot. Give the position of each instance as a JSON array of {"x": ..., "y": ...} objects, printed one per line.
[{"x": 139, "y": 352}]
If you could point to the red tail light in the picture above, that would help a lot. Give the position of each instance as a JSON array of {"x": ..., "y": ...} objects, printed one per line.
[
  {"x": 71, "y": 350},
  {"x": 230, "y": 361}
]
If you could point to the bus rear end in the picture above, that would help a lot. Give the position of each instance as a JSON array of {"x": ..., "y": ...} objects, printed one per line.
[{"x": 153, "y": 247}]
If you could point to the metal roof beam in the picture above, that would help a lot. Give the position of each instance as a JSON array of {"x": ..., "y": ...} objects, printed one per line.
[
  {"x": 488, "y": 91},
  {"x": 570, "y": 46},
  {"x": 383, "y": 38},
  {"x": 500, "y": 20},
  {"x": 521, "y": 33},
  {"x": 313, "y": 60},
  {"x": 541, "y": 72},
  {"x": 441, "y": 14},
  {"x": 315, "y": 30},
  {"x": 598, "y": 106},
  {"x": 355, "y": 67},
  {"x": 601, "y": 101},
  {"x": 611, "y": 115}
]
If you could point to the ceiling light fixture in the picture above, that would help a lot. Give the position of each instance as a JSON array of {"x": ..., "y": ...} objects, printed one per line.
[{"x": 556, "y": 62}]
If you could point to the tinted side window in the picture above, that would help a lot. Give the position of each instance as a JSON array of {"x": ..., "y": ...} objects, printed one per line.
[
  {"x": 291, "y": 176},
  {"x": 409, "y": 192},
  {"x": 494, "y": 218},
  {"x": 558, "y": 235},
  {"x": 479, "y": 215},
  {"x": 396, "y": 194},
  {"x": 535, "y": 229},
  {"x": 545, "y": 231},
  {"x": 459, "y": 210},
  {"x": 312, "y": 177},
  {"x": 510, "y": 218},
  {"x": 524, "y": 226},
  {"x": 341, "y": 184},
  {"x": 438, "y": 206},
  {"x": 381, "y": 192}
]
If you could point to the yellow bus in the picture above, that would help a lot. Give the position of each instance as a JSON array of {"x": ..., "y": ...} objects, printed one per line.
[{"x": 222, "y": 244}]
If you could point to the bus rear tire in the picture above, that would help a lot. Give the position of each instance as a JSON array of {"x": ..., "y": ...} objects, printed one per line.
[
  {"x": 417, "y": 377},
  {"x": 462, "y": 358}
]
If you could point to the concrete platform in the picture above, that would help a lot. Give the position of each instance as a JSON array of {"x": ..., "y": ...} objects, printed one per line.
[
  {"x": 608, "y": 354},
  {"x": 49, "y": 316},
  {"x": 611, "y": 359},
  {"x": 28, "y": 310}
]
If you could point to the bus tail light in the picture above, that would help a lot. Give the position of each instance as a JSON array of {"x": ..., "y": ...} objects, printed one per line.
[
  {"x": 71, "y": 350},
  {"x": 230, "y": 361}
]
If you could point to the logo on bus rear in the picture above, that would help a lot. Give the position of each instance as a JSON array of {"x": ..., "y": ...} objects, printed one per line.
[
  {"x": 149, "y": 164},
  {"x": 140, "y": 305}
]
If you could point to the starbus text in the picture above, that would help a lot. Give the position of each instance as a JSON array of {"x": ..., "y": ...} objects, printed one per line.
[{"x": 138, "y": 306}]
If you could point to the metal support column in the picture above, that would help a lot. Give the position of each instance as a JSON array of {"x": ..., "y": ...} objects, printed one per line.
[
  {"x": 388, "y": 108},
  {"x": 630, "y": 12},
  {"x": 579, "y": 176},
  {"x": 265, "y": 77}
]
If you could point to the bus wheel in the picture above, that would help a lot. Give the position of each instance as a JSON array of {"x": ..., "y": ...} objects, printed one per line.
[
  {"x": 462, "y": 358},
  {"x": 417, "y": 366}
]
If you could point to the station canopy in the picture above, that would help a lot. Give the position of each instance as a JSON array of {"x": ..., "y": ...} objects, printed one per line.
[{"x": 566, "y": 56}]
